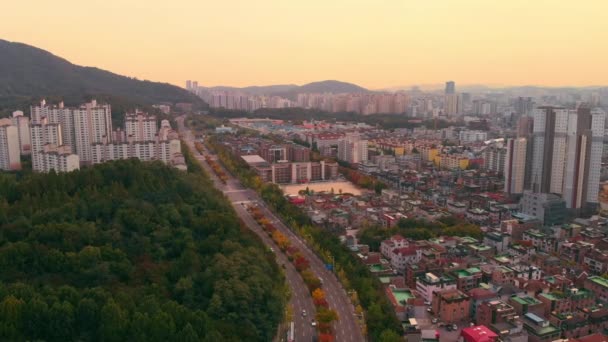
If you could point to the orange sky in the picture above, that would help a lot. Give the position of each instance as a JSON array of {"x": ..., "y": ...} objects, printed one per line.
[{"x": 374, "y": 43}]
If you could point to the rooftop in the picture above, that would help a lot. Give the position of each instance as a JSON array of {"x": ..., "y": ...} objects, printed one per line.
[
  {"x": 599, "y": 281},
  {"x": 526, "y": 300},
  {"x": 401, "y": 295}
]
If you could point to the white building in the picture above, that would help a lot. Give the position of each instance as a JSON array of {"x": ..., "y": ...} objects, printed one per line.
[
  {"x": 23, "y": 127},
  {"x": 387, "y": 246},
  {"x": 92, "y": 125},
  {"x": 583, "y": 157},
  {"x": 549, "y": 149},
  {"x": 43, "y": 134},
  {"x": 89, "y": 128},
  {"x": 9, "y": 146},
  {"x": 469, "y": 136},
  {"x": 58, "y": 158},
  {"x": 140, "y": 126},
  {"x": 401, "y": 257},
  {"x": 352, "y": 149}
]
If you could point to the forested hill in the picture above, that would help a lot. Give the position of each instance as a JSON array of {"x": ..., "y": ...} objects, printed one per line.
[
  {"x": 130, "y": 251},
  {"x": 28, "y": 73}
]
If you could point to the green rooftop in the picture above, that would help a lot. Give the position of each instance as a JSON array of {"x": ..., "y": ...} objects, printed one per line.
[
  {"x": 535, "y": 233},
  {"x": 525, "y": 300},
  {"x": 384, "y": 280},
  {"x": 599, "y": 281},
  {"x": 549, "y": 329},
  {"x": 468, "y": 272},
  {"x": 376, "y": 268},
  {"x": 468, "y": 239},
  {"x": 582, "y": 293},
  {"x": 402, "y": 295},
  {"x": 480, "y": 248},
  {"x": 551, "y": 296},
  {"x": 502, "y": 258}
]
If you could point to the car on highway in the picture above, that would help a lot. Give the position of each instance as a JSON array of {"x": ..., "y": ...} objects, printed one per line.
[
  {"x": 434, "y": 320},
  {"x": 303, "y": 313},
  {"x": 313, "y": 323},
  {"x": 454, "y": 327},
  {"x": 429, "y": 309}
]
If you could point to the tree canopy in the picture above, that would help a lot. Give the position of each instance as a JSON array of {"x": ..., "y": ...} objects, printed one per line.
[{"x": 132, "y": 251}]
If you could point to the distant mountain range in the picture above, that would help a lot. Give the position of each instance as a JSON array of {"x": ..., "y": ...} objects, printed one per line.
[
  {"x": 28, "y": 73},
  {"x": 291, "y": 90}
]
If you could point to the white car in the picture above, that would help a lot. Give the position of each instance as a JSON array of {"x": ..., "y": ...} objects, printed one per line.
[
  {"x": 313, "y": 323},
  {"x": 303, "y": 313}
]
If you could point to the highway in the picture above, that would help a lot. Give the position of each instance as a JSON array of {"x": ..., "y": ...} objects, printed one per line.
[
  {"x": 300, "y": 296},
  {"x": 346, "y": 328}
]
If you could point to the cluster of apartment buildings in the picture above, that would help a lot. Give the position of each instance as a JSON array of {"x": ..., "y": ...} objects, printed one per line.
[
  {"x": 280, "y": 163},
  {"x": 64, "y": 138},
  {"x": 558, "y": 152}
]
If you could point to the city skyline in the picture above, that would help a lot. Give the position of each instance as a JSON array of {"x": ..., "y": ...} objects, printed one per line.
[{"x": 270, "y": 42}]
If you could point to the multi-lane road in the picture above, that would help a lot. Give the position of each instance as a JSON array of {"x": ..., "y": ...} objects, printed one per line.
[{"x": 346, "y": 328}]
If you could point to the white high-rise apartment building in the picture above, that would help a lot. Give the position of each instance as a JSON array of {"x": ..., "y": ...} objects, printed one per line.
[
  {"x": 94, "y": 141},
  {"x": 352, "y": 148},
  {"x": 567, "y": 149},
  {"x": 23, "y": 127},
  {"x": 584, "y": 157},
  {"x": 92, "y": 125},
  {"x": 44, "y": 137},
  {"x": 515, "y": 165},
  {"x": 140, "y": 126},
  {"x": 9, "y": 146},
  {"x": 56, "y": 114},
  {"x": 58, "y": 158},
  {"x": 549, "y": 149}
]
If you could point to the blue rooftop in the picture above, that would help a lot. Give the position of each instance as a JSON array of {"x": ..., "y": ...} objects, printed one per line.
[{"x": 533, "y": 317}]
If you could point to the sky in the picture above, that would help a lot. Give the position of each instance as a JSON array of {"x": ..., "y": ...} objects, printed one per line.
[{"x": 373, "y": 43}]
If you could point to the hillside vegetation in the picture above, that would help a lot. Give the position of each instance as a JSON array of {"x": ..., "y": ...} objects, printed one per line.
[
  {"x": 130, "y": 251},
  {"x": 28, "y": 73}
]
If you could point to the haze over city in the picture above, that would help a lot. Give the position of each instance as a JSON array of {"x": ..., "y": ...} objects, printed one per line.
[
  {"x": 380, "y": 45},
  {"x": 304, "y": 171}
]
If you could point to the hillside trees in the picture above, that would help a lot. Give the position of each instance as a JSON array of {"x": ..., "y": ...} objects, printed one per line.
[{"x": 132, "y": 251}]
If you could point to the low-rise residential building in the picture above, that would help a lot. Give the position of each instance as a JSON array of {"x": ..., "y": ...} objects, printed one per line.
[
  {"x": 479, "y": 333},
  {"x": 493, "y": 312},
  {"x": 599, "y": 286},
  {"x": 467, "y": 279},
  {"x": 431, "y": 283},
  {"x": 451, "y": 305},
  {"x": 540, "y": 329},
  {"x": 526, "y": 304}
]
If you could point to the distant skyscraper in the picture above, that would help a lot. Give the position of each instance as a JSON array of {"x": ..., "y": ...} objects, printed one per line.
[
  {"x": 451, "y": 99},
  {"x": 188, "y": 85},
  {"x": 195, "y": 85},
  {"x": 583, "y": 157},
  {"x": 525, "y": 126},
  {"x": 524, "y": 105},
  {"x": 567, "y": 149},
  {"x": 515, "y": 166},
  {"x": 451, "y": 106},
  {"x": 548, "y": 155},
  {"x": 450, "y": 87}
]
